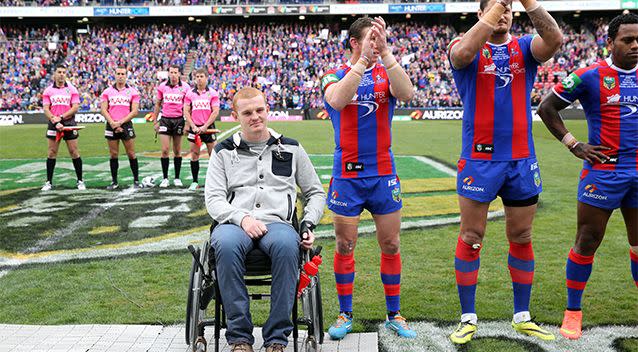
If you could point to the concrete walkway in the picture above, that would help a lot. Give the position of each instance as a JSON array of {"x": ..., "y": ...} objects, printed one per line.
[{"x": 141, "y": 338}]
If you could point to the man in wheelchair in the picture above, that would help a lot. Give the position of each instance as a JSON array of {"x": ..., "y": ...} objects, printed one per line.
[{"x": 251, "y": 191}]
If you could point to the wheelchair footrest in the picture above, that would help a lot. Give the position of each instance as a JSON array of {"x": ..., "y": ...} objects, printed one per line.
[{"x": 260, "y": 296}]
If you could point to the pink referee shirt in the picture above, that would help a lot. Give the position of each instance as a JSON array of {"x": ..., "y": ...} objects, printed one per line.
[
  {"x": 120, "y": 101},
  {"x": 172, "y": 98},
  {"x": 60, "y": 99},
  {"x": 202, "y": 104}
]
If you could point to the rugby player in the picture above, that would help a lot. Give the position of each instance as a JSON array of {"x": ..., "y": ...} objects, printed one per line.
[
  {"x": 61, "y": 101},
  {"x": 201, "y": 107},
  {"x": 170, "y": 100},
  {"x": 120, "y": 104},
  {"x": 608, "y": 92},
  {"x": 494, "y": 73},
  {"x": 360, "y": 97}
]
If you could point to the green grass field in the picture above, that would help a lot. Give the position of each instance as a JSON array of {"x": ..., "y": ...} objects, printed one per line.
[{"x": 151, "y": 288}]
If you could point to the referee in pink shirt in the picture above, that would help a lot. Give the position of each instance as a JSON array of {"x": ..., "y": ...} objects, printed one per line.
[
  {"x": 120, "y": 104},
  {"x": 170, "y": 100},
  {"x": 61, "y": 101}
]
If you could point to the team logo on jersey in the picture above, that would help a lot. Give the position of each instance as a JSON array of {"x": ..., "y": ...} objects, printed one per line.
[
  {"x": 486, "y": 53},
  {"x": 609, "y": 82},
  {"x": 628, "y": 101},
  {"x": 468, "y": 180},
  {"x": 571, "y": 82},
  {"x": 503, "y": 74},
  {"x": 396, "y": 194},
  {"x": 514, "y": 52},
  {"x": 380, "y": 79}
]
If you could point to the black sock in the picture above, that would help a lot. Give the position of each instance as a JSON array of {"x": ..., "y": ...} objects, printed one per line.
[
  {"x": 177, "y": 162},
  {"x": 50, "y": 168},
  {"x": 77, "y": 165},
  {"x": 134, "y": 168},
  {"x": 164, "y": 167},
  {"x": 348, "y": 314},
  {"x": 392, "y": 314},
  {"x": 115, "y": 164},
  {"x": 195, "y": 170}
]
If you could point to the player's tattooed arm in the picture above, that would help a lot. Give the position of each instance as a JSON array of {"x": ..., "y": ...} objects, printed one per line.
[
  {"x": 548, "y": 110},
  {"x": 550, "y": 37}
]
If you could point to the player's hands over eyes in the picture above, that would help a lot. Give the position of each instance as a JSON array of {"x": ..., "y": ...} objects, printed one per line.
[
  {"x": 307, "y": 239},
  {"x": 253, "y": 227},
  {"x": 592, "y": 153},
  {"x": 379, "y": 36}
]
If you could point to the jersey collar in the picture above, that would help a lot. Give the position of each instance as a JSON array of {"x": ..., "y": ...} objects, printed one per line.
[
  {"x": 509, "y": 39},
  {"x": 349, "y": 64},
  {"x": 610, "y": 63}
]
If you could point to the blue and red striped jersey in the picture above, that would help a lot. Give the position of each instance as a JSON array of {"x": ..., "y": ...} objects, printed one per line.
[
  {"x": 363, "y": 135},
  {"x": 495, "y": 89},
  {"x": 609, "y": 96}
]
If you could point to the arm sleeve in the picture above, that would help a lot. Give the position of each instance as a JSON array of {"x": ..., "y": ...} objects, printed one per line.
[
  {"x": 46, "y": 97},
  {"x": 75, "y": 96},
  {"x": 571, "y": 87},
  {"x": 216, "y": 194},
  {"x": 135, "y": 97},
  {"x": 311, "y": 188},
  {"x": 214, "y": 101},
  {"x": 104, "y": 97},
  {"x": 331, "y": 77}
]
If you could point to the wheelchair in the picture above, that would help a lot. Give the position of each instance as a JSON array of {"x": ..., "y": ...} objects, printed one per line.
[{"x": 203, "y": 289}]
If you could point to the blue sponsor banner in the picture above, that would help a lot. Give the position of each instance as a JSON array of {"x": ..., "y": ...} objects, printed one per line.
[
  {"x": 416, "y": 8},
  {"x": 120, "y": 11}
]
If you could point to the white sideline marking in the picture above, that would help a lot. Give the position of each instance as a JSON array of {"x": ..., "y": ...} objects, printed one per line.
[
  {"x": 221, "y": 136},
  {"x": 437, "y": 165},
  {"x": 435, "y": 338}
]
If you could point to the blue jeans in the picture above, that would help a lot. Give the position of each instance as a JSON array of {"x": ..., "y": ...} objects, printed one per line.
[{"x": 281, "y": 244}]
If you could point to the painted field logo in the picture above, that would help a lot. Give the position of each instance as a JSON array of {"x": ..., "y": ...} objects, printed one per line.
[{"x": 64, "y": 224}]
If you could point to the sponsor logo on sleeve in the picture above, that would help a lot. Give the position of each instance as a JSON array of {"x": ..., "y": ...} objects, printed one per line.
[{"x": 571, "y": 82}]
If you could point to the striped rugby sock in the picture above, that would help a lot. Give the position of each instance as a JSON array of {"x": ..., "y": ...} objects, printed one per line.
[
  {"x": 391, "y": 279},
  {"x": 344, "y": 276},
  {"x": 577, "y": 273},
  {"x": 520, "y": 263},
  {"x": 634, "y": 266},
  {"x": 466, "y": 265}
]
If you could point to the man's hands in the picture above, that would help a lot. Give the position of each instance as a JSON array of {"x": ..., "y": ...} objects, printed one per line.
[
  {"x": 254, "y": 228},
  {"x": 591, "y": 153},
  {"x": 307, "y": 236},
  {"x": 379, "y": 36}
]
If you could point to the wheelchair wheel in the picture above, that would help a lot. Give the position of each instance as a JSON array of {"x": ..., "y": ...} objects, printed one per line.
[
  {"x": 193, "y": 286},
  {"x": 195, "y": 314},
  {"x": 313, "y": 313}
]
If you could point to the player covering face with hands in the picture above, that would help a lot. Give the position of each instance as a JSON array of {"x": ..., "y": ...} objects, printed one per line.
[
  {"x": 494, "y": 73},
  {"x": 360, "y": 97}
]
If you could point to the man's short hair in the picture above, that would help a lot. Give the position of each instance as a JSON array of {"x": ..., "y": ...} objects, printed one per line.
[
  {"x": 247, "y": 93},
  {"x": 201, "y": 71},
  {"x": 121, "y": 67},
  {"x": 358, "y": 26},
  {"x": 483, "y": 4},
  {"x": 175, "y": 67},
  {"x": 62, "y": 66},
  {"x": 614, "y": 25}
]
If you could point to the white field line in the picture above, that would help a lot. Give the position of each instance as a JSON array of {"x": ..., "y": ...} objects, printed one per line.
[{"x": 221, "y": 136}]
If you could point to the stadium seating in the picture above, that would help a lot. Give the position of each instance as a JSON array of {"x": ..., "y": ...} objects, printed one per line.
[{"x": 288, "y": 68}]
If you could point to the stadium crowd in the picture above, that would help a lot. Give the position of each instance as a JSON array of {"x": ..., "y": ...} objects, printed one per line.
[{"x": 287, "y": 67}]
